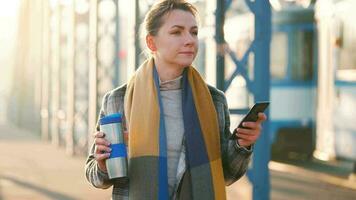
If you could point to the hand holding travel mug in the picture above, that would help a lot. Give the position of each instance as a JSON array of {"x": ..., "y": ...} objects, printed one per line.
[{"x": 116, "y": 164}]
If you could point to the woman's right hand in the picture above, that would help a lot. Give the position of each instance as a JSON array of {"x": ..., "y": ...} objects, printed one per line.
[{"x": 102, "y": 150}]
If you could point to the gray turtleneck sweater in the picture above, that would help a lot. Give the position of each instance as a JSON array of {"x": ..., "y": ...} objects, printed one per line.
[{"x": 171, "y": 92}]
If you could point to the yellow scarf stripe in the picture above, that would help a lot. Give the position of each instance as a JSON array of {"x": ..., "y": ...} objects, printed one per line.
[
  {"x": 143, "y": 128},
  {"x": 218, "y": 179}
]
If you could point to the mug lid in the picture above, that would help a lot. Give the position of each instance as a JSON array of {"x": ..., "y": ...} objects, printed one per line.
[{"x": 109, "y": 119}]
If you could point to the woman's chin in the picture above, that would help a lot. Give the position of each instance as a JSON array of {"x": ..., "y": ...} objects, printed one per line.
[
  {"x": 186, "y": 62},
  {"x": 185, "y": 65}
]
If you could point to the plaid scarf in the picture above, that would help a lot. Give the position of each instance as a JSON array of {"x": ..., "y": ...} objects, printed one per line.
[{"x": 148, "y": 145}]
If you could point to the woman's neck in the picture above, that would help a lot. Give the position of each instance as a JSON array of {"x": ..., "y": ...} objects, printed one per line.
[{"x": 167, "y": 71}]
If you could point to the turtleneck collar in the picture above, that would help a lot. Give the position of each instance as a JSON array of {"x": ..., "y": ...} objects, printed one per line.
[{"x": 174, "y": 84}]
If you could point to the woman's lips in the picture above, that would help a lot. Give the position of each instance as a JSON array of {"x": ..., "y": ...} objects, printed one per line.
[{"x": 187, "y": 52}]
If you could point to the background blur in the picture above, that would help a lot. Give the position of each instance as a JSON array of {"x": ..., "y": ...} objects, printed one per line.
[{"x": 59, "y": 57}]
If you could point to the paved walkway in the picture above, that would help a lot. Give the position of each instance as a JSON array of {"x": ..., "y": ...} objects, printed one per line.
[
  {"x": 34, "y": 170},
  {"x": 31, "y": 169}
]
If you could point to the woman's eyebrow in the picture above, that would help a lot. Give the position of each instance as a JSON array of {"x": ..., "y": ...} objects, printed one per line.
[{"x": 182, "y": 27}]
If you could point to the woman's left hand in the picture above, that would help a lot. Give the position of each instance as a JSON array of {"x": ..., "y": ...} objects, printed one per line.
[{"x": 251, "y": 132}]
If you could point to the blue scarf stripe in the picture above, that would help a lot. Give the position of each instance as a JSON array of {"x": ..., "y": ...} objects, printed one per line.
[
  {"x": 163, "y": 171},
  {"x": 162, "y": 125},
  {"x": 196, "y": 149}
]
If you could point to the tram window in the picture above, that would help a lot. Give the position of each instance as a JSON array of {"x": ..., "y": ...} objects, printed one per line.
[
  {"x": 301, "y": 55},
  {"x": 279, "y": 45},
  {"x": 292, "y": 56}
]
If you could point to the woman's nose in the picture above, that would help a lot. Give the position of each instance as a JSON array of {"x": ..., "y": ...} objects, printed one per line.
[{"x": 189, "y": 39}]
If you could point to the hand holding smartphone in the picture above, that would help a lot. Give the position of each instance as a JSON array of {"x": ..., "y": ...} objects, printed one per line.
[{"x": 252, "y": 116}]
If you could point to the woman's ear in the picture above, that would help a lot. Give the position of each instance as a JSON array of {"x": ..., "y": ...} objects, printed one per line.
[{"x": 150, "y": 43}]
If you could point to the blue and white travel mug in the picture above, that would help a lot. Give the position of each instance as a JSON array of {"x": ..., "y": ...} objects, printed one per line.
[{"x": 116, "y": 164}]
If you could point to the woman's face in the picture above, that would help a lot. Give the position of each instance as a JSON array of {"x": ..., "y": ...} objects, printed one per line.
[{"x": 176, "y": 43}]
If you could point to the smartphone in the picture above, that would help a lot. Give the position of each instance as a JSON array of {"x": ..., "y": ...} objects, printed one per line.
[{"x": 251, "y": 116}]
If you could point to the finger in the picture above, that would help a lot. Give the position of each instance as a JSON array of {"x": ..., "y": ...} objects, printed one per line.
[
  {"x": 103, "y": 156},
  {"x": 245, "y": 131},
  {"x": 100, "y": 149},
  {"x": 261, "y": 117},
  {"x": 253, "y": 133},
  {"x": 248, "y": 137},
  {"x": 248, "y": 132},
  {"x": 99, "y": 134},
  {"x": 244, "y": 143},
  {"x": 252, "y": 125},
  {"x": 126, "y": 137},
  {"x": 101, "y": 141}
]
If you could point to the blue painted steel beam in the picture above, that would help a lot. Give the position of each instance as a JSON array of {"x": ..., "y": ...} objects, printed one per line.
[
  {"x": 220, "y": 40},
  {"x": 227, "y": 4},
  {"x": 251, "y": 5},
  {"x": 241, "y": 68},
  {"x": 261, "y": 158},
  {"x": 259, "y": 87}
]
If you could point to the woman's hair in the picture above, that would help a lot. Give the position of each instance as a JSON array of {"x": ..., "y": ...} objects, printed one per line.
[{"x": 153, "y": 20}]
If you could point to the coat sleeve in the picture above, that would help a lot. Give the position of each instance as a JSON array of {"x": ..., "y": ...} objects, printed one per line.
[
  {"x": 94, "y": 175},
  {"x": 235, "y": 158}
]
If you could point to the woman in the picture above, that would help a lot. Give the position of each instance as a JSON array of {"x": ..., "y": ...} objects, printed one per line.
[{"x": 178, "y": 126}]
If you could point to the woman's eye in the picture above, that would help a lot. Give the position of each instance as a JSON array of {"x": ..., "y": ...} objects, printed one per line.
[
  {"x": 195, "y": 32},
  {"x": 175, "y": 33}
]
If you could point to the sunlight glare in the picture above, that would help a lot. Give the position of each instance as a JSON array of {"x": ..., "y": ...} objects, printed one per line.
[
  {"x": 8, "y": 21},
  {"x": 9, "y": 8}
]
